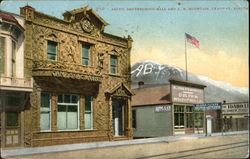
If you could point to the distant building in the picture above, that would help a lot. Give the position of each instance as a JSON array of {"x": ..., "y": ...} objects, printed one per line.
[
  {"x": 168, "y": 109},
  {"x": 81, "y": 80},
  {"x": 15, "y": 86}
]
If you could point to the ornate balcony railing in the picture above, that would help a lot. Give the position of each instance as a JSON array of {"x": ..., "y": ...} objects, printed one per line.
[{"x": 65, "y": 70}]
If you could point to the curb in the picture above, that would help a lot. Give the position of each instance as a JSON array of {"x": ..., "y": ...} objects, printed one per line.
[{"x": 94, "y": 145}]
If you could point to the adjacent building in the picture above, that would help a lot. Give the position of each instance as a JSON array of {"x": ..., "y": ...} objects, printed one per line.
[
  {"x": 168, "y": 109},
  {"x": 15, "y": 86},
  {"x": 235, "y": 110},
  {"x": 81, "y": 80}
]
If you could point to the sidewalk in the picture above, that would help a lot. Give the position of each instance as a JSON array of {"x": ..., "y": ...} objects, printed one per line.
[{"x": 93, "y": 145}]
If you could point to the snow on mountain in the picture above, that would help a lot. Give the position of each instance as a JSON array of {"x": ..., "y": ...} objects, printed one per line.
[
  {"x": 152, "y": 73},
  {"x": 224, "y": 85}
]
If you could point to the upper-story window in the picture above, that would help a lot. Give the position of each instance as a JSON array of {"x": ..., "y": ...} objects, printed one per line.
[
  {"x": 52, "y": 50},
  {"x": 2, "y": 53},
  {"x": 13, "y": 59},
  {"x": 113, "y": 64},
  {"x": 85, "y": 55}
]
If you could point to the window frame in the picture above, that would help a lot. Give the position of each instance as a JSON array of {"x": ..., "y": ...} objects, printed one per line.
[
  {"x": 91, "y": 113},
  {"x": 111, "y": 65},
  {"x": 50, "y": 121},
  {"x": 8, "y": 121},
  {"x": 3, "y": 64},
  {"x": 67, "y": 105},
  {"x": 13, "y": 58},
  {"x": 83, "y": 58},
  {"x": 49, "y": 53},
  {"x": 179, "y": 112}
]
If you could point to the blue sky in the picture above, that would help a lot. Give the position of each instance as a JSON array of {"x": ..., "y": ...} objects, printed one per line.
[{"x": 159, "y": 34}]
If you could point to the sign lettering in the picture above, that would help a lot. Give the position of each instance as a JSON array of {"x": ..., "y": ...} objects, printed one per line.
[
  {"x": 208, "y": 106},
  {"x": 235, "y": 108},
  {"x": 184, "y": 94},
  {"x": 165, "y": 108}
]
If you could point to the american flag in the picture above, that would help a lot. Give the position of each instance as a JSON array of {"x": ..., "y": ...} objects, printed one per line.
[{"x": 192, "y": 40}]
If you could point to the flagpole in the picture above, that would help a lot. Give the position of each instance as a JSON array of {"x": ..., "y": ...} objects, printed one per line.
[{"x": 186, "y": 57}]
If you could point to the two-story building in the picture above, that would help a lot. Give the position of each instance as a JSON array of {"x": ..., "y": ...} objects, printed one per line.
[
  {"x": 15, "y": 86},
  {"x": 81, "y": 79}
]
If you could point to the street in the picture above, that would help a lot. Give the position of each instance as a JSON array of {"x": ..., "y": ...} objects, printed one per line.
[{"x": 234, "y": 146}]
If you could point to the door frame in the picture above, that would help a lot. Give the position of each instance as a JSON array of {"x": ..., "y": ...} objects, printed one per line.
[
  {"x": 124, "y": 116},
  {"x": 12, "y": 129}
]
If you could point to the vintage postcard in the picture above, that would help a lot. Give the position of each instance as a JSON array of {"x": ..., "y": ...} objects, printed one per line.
[{"x": 124, "y": 79}]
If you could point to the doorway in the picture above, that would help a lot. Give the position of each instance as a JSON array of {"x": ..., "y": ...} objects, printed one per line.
[
  {"x": 12, "y": 129},
  {"x": 119, "y": 111}
]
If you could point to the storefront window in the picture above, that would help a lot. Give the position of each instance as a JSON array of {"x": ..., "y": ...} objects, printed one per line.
[
  {"x": 67, "y": 112},
  {"x": 189, "y": 109},
  {"x": 199, "y": 119},
  {"x": 179, "y": 116},
  {"x": 88, "y": 113},
  {"x": 45, "y": 109},
  {"x": 184, "y": 116}
]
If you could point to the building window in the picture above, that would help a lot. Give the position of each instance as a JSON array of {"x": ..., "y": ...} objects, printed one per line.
[
  {"x": 134, "y": 119},
  {"x": 85, "y": 55},
  {"x": 189, "y": 109},
  {"x": 67, "y": 113},
  {"x": 189, "y": 117},
  {"x": 12, "y": 119},
  {"x": 88, "y": 113},
  {"x": 179, "y": 117},
  {"x": 45, "y": 109},
  {"x": 2, "y": 53},
  {"x": 14, "y": 100},
  {"x": 113, "y": 64},
  {"x": 199, "y": 118},
  {"x": 52, "y": 50},
  {"x": 13, "y": 59}
]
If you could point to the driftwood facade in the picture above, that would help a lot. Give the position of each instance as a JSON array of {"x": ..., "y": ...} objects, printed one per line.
[{"x": 81, "y": 80}]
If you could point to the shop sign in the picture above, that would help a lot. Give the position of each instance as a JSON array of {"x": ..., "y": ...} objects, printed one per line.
[
  {"x": 182, "y": 94},
  {"x": 163, "y": 108},
  {"x": 235, "y": 108},
  {"x": 208, "y": 106}
]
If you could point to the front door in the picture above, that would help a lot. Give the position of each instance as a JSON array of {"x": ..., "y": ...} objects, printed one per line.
[
  {"x": 12, "y": 131},
  {"x": 119, "y": 116},
  {"x": 189, "y": 123}
]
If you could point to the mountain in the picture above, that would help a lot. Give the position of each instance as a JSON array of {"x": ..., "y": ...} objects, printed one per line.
[{"x": 154, "y": 74}]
